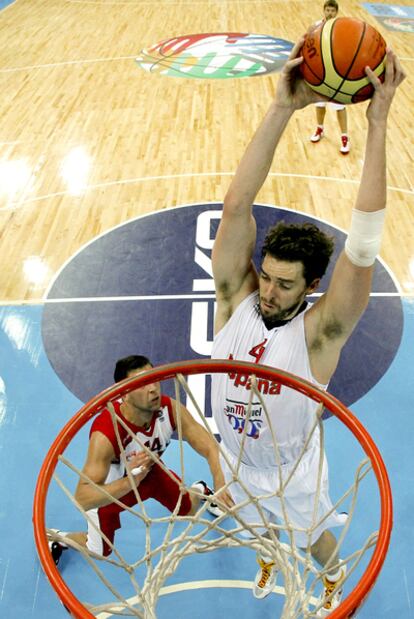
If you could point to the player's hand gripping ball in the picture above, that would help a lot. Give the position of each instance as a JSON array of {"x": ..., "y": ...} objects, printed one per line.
[{"x": 335, "y": 54}]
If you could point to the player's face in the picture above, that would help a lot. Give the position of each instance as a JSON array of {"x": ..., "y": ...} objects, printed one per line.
[
  {"x": 330, "y": 12},
  {"x": 282, "y": 288},
  {"x": 145, "y": 399}
]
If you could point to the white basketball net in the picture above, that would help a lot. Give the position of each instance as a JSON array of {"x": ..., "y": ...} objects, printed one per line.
[{"x": 301, "y": 576}]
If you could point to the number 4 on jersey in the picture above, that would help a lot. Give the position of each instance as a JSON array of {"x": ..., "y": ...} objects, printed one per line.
[{"x": 258, "y": 350}]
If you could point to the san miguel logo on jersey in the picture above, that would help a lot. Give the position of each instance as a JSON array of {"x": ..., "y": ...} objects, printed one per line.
[
  {"x": 264, "y": 386},
  {"x": 238, "y": 417}
]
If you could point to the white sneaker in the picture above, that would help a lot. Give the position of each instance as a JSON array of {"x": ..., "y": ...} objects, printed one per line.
[
  {"x": 318, "y": 135},
  {"x": 265, "y": 580},
  {"x": 345, "y": 145},
  {"x": 332, "y": 594},
  {"x": 212, "y": 508}
]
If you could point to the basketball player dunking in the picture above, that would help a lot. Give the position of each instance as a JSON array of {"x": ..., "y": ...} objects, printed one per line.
[{"x": 264, "y": 317}]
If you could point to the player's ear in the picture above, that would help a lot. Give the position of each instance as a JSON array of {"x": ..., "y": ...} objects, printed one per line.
[{"x": 314, "y": 285}]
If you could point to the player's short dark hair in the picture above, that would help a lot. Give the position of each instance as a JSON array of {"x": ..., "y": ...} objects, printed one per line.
[
  {"x": 331, "y": 3},
  {"x": 304, "y": 243},
  {"x": 125, "y": 365}
]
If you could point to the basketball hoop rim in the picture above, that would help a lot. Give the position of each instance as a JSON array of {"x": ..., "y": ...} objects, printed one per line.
[{"x": 207, "y": 366}]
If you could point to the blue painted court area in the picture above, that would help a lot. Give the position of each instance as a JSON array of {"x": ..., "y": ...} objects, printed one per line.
[
  {"x": 392, "y": 10},
  {"x": 4, "y": 3},
  {"x": 34, "y": 405}
]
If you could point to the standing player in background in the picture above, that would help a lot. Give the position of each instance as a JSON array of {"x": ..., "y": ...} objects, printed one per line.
[
  {"x": 151, "y": 417},
  {"x": 330, "y": 10},
  {"x": 264, "y": 318}
]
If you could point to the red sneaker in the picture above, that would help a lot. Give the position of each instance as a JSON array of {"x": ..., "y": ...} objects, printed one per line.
[
  {"x": 318, "y": 135},
  {"x": 346, "y": 145}
]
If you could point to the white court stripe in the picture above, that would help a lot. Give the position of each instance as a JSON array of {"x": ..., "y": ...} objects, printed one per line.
[
  {"x": 159, "y": 297},
  {"x": 137, "y": 3},
  {"x": 65, "y": 63},
  {"x": 201, "y": 584},
  {"x": 168, "y": 177}
]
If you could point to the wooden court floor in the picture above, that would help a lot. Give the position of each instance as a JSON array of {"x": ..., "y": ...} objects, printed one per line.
[{"x": 89, "y": 140}]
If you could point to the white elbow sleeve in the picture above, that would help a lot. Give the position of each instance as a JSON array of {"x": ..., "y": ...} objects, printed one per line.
[{"x": 364, "y": 238}]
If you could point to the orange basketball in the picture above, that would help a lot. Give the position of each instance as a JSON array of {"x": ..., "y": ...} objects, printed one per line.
[{"x": 335, "y": 55}]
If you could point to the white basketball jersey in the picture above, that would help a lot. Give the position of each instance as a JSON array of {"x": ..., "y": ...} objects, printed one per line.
[{"x": 245, "y": 337}]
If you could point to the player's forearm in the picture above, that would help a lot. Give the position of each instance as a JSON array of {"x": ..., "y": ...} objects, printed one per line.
[
  {"x": 213, "y": 459},
  {"x": 257, "y": 159},
  {"x": 92, "y": 497},
  {"x": 372, "y": 194}
]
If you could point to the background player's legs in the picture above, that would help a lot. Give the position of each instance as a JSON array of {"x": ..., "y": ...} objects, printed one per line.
[
  {"x": 343, "y": 125},
  {"x": 320, "y": 118},
  {"x": 320, "y": 114},
  {"x": 342, "y": 120}
]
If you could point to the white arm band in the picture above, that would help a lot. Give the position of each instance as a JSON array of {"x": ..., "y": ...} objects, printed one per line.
[{"x": 364, "y": 238}]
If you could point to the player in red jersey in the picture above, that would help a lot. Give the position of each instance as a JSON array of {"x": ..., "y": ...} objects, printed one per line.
[{"x": 151, "y": 417}]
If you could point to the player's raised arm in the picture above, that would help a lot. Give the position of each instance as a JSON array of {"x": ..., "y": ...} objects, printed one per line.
[
  {"x": 234, "y": 273},
  {"x": 347, "y": 297}
]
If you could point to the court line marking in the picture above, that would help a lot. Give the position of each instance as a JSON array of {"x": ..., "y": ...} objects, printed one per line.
[
  {"x": 173, "y": 3},
  {"x": 216, "y": 205},
  {"x": 63, "y": 63},
  {"x": 167, "y": 177},
  {"x": 6, "y": 6},
  {"x": 5, "y": 575},
  {"x": 200, "y": 584},
  {"x": 407, "y": 591},
  {"x": 66, "y": 62},
  {"x": 155, "y": 297}
]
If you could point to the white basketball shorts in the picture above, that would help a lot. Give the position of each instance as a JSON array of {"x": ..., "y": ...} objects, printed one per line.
[
  {"x": 335, "y": 106},
  {"x": 297, "y": 508}
]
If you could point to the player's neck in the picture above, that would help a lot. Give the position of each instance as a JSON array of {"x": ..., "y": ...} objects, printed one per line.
[
  {"x": 136, "y": 416},
  {"x": 271, "y": 323}
]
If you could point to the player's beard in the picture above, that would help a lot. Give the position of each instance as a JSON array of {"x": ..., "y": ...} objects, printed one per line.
[{"x": 274, "y": 320}]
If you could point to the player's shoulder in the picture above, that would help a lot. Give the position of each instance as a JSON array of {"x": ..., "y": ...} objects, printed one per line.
[
  {"x": 167, "y": 409},
  {"x": 165, "y": 401},
  {"x": 103, "y": 422}
]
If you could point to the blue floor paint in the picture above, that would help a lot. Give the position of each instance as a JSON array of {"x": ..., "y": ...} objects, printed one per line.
[
  {"x": 34, "y": 405},
  {"x": 4, "y": 3}
]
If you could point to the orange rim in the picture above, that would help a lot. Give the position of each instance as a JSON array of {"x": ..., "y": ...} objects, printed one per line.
[{"x": 354, "y": 599}]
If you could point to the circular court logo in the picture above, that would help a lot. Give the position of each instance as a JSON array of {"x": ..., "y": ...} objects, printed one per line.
[
  {"x": 146, "y": 287},
  {"x": 216, "y": 56}
]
